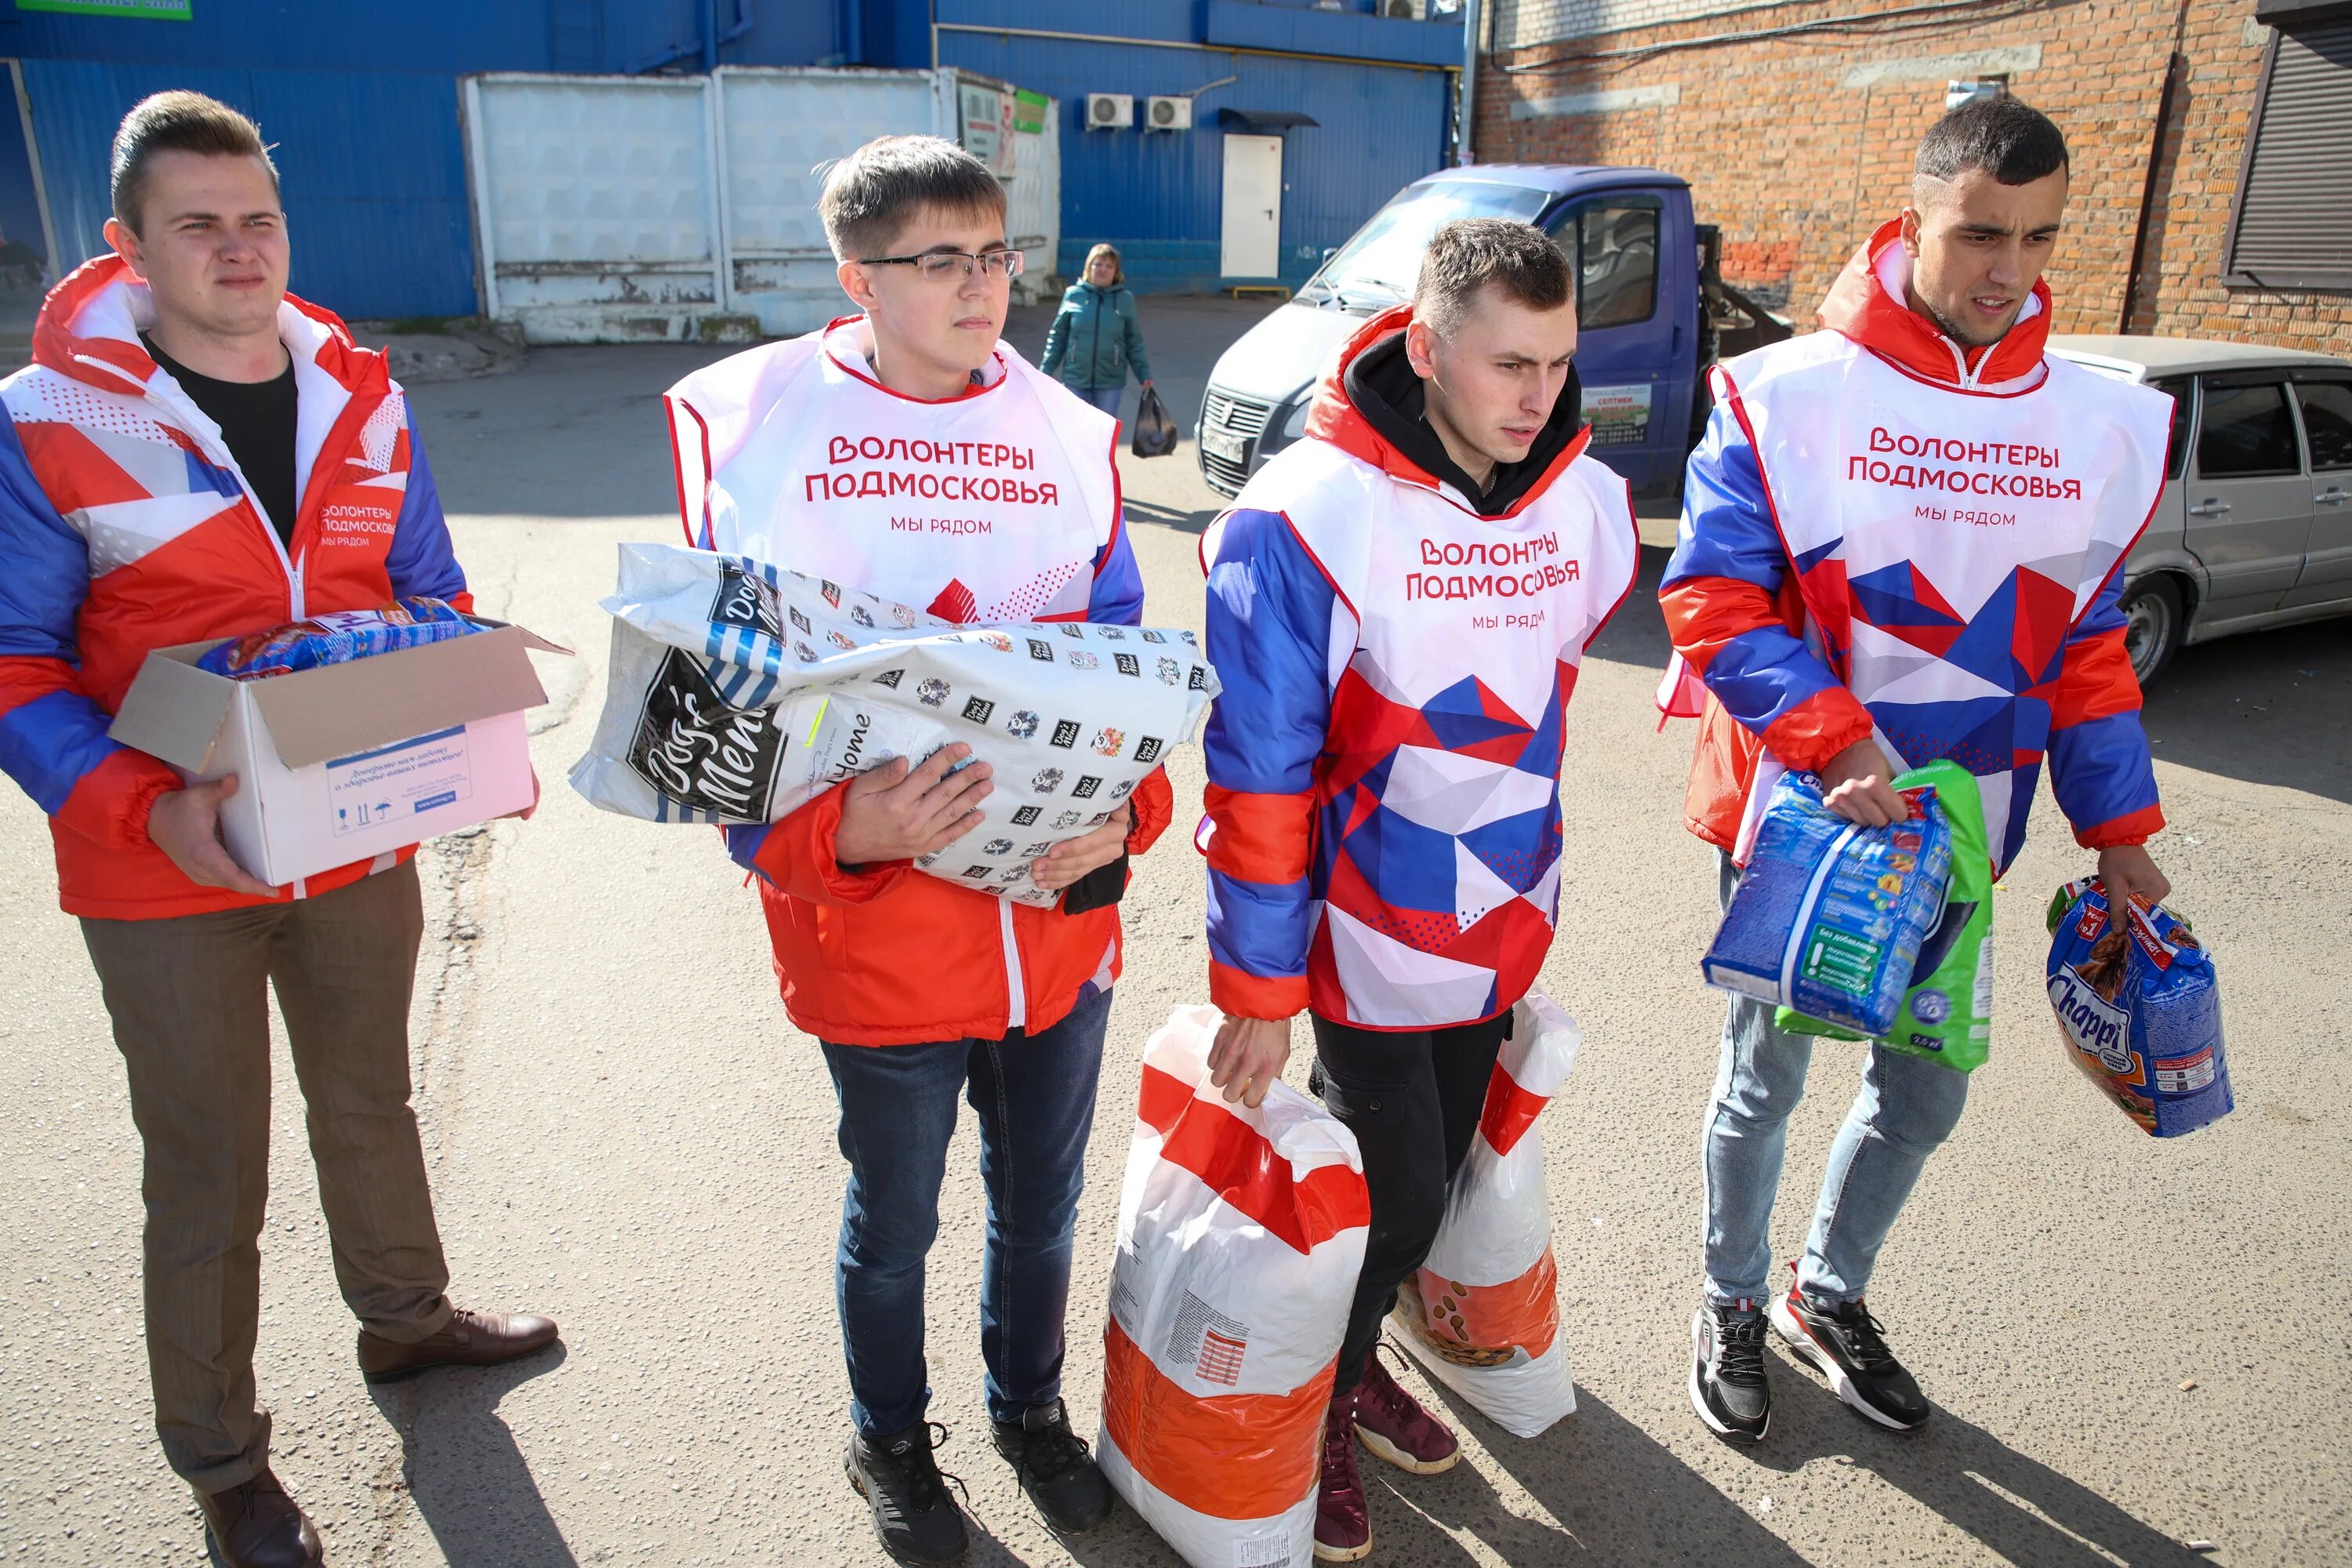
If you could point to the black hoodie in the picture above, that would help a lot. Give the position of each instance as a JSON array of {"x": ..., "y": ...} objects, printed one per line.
[{"x": 1383, "y": 385}]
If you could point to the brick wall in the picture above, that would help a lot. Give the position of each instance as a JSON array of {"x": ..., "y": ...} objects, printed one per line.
[{"x": 1798, "y": 146}]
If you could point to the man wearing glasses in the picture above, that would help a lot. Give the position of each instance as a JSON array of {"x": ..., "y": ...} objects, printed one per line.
[{"x": 908, "y": 452}]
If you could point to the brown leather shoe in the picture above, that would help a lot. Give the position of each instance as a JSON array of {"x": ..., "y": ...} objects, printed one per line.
[
  {"x": 467, "y": 1339},
  {"x": 256, "y": 1525}
]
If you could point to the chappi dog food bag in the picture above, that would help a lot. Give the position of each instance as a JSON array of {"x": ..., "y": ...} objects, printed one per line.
[
  {"x": 1946, "y": 1012},
  {"x": 1240, "y": 1234},
  {"x": 1830, "y": 916},
  {"x": 1483, "y": 1314},
  {"x": 2140, "y": 1009}
]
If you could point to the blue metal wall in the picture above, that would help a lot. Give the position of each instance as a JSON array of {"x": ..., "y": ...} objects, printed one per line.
[
  {"x": 362, "y": 104},
  {"x": 1158, "y": 196}
]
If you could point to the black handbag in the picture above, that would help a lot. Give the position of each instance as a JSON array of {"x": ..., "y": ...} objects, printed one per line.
[{"x": 1155, "y": 431}]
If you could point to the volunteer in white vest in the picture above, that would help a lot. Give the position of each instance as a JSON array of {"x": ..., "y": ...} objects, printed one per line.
[
  {"x": 1397, "y": 609},
  {"x": 908, "y": 452},
  {"x": 1901, "y": 542}
]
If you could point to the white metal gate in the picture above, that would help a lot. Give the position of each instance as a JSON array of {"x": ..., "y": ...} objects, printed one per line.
[{"x": 670, "y": 208}]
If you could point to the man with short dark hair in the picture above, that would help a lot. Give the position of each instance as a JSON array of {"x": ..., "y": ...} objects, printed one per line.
[
  {"x": 924, "y": 994},
  {"x": 1397, "y": 606},
  {"x": 195, "y": 453},
  {"x": 1901, "y": 543}
]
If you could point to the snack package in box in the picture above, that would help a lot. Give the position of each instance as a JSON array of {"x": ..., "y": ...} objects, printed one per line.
[
  {"x": 2139, "y": 1008},
  {"x": 1829, "y": 916},
  {"x": 336, "y": 637},
  {"x": 1947, "y": 1011},
  {"x": 1483, "y": 1314},
  {"x": 738, "y": 691},
  {"x": 1240, "y": 1234}
]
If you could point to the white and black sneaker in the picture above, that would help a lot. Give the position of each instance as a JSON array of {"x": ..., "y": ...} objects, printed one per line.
[
  {"x": 1727, "y": 1377},
  {"x": 1848, "y": 1347}
]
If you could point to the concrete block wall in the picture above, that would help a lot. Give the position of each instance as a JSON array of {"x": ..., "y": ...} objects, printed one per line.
[{"x": 1798, "y": 146}]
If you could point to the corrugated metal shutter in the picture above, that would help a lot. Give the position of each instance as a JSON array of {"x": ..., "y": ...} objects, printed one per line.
[{"x": 2293, "y": 221}]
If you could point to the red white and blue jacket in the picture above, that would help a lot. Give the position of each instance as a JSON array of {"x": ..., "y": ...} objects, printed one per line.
[
  {"x": 125, "y": 526},
  {"x": 1886, "y": 536},
  {"x": 1382, "y": 829}
]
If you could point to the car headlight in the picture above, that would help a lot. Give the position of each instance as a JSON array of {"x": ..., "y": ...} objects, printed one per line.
[{"x": 1294, "y": 427}]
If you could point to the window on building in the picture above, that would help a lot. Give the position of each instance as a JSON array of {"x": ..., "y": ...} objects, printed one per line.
[
  {"x": 2247, "y": 432},
  {"x": 2291, "y": 227},
  {"x": 2183, "y": 393},
  {"x": 1616, "y": 262},
  {"x": 2327, "y": 421}
]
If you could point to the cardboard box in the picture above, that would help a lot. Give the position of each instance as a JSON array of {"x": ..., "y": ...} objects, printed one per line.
[{"x": 343, "y": 762}]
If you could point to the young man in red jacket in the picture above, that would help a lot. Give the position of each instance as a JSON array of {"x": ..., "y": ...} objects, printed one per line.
[
  {"x": 830, "y": 455},
  {"x": 195, "y": 453},
  {"x": 1902, "y": 541}
]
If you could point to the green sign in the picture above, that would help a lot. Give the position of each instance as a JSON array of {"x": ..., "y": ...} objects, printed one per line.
[
  {"x": 149, "y": 10},
  {"x": 1029, "y": 112}
]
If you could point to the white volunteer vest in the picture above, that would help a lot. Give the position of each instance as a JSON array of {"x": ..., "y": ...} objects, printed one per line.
[
  {"x": 1874, "y": 471},
  {"x": 988, "y": 508}
]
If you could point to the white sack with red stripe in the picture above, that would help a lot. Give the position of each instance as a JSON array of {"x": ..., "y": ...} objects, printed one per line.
[
  {"x": 1484, "y": 1314},
  {"x": 1240, "y": 1237}
]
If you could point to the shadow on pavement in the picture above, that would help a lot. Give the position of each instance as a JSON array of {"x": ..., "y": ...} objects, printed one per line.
[
  {"x": 2019, "y": 1508},
  {"x": 1194, "y": 523},
  {"x": 2271, "y": 708},
  {"x": 464, "y": 1470}
]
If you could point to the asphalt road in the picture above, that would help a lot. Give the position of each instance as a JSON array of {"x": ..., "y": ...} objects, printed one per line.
[{"x": 2134, "y": 1345}]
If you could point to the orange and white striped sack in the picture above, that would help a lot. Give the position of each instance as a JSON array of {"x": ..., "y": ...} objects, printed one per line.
[
  {"x": 1483, "y": 1315},
  {"x": 1240, "y": 1234}
]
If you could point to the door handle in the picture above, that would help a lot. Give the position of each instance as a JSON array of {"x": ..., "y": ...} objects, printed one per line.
[
  {"x": 2209, "y": 509},
  {"x": 2332, "y": 495}
]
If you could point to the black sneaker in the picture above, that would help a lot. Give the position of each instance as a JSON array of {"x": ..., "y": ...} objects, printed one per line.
[
  {"x": 1055, "y": 1469},
  {"x": 1727, "y": 1377},
  {"x": 1849, "y": 1348},
  {"x": 918, "y": 1521}
]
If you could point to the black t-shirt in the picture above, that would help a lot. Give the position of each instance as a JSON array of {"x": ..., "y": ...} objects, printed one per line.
[{"x": 257, "y": 422}]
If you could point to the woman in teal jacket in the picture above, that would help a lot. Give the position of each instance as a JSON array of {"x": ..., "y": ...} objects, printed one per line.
[{"x": 1096, "y": 335}]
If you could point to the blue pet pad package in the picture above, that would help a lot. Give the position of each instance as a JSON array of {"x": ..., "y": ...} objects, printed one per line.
[
  {"x": 337, "y": 637},
  {"x": 1829, "y": 917},
  {"x": 2140, "y": 1010}
]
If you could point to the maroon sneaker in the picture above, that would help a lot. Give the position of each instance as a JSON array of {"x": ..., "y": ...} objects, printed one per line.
[
  {"x": 1394, "y": 1425},
  {"x": 1343, "y": 1526}
]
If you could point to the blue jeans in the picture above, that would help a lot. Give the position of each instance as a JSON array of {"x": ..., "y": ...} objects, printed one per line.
[
  {"x": 1907, "y": 1107},
  {"x": 1103, "y": 397},
  {"x": 1035, "y": 1098}
]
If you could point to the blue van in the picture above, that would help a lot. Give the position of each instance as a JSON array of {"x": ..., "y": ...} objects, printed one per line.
[{"x": 1652, "y": 314}]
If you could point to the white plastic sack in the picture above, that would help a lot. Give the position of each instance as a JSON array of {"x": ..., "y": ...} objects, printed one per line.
[
  {"x": 1483, "y": 1316},
  {"x": 738, "y": 691},
  {"x": 1240, "y": 1234}
]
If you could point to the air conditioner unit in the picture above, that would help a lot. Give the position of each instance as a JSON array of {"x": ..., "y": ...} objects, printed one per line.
[
  {"x": 1405, "y": 10},
  {"x": 1168, "y": 114},
  {"x": 1110, "y": 110}
]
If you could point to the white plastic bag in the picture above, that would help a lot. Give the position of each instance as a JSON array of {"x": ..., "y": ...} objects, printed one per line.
[
  {"x": 738, "y": 691},
  {"x": 1240, "y": 1234},
  {"x": 1483, "y": 1316}
]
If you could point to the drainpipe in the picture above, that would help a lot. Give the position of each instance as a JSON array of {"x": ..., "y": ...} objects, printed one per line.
[
  {"x": 708, "y": 39},
  {"x": 1466, "y": 114},
  {"x": 853, "y": 32},
  {"x": 707, "y": 17}
]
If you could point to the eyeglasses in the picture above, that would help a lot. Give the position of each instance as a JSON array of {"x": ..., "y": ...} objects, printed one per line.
[{"x": 940, "y": 266}]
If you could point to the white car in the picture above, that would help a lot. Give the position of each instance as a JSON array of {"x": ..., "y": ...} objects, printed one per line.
[{"x": 2254, "y": 527}]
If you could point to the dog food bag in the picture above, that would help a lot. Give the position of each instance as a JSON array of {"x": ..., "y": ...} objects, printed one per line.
[
  {"x": 738, "y": 691},
  {"x": 2141, "y": 1009},
  {"x": 1829, "y": 916},
  {"x": 1240, "y": 1234},
  {"x": 336, "y": 637},
  {"x": 1946, "y": 1012},
  {"x": 1483, "y": 1315}
]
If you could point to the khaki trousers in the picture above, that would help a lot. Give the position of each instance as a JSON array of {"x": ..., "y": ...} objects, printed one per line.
[{"x": 189, "y": 999}]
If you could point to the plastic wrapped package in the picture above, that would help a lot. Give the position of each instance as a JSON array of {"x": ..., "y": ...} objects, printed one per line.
[
  {"x": 337, "y": 637},
  {"x": 1241, "y": 1235},
  {"x": 1829, "y": 915},
  {"x": 1483, "y": 1315},
  {"x": 738, "y": 691},
  {"x": 2139, "y": 1008}
]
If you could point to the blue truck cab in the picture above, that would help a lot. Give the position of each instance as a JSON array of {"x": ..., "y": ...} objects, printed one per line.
[{"x": 1652, "y": 314}]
